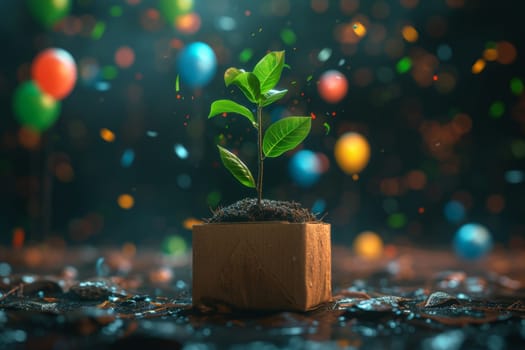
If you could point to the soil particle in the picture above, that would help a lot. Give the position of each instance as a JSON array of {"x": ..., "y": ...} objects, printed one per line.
[{"x": 270, "y": 210}]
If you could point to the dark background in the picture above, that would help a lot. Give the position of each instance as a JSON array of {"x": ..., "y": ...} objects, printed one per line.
[{"x": 393, "y": 110}]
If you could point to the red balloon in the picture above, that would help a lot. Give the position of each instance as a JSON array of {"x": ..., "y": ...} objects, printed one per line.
[
  {"x": 55, "y": 72},
  {"x": 332, "y": 86}
]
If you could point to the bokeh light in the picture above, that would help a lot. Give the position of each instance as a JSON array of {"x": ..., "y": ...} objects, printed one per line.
[
  {"x": 352, "y": 153},
  {"x": 305, "y": 168},
  {"x": 454, "y": 211},
  {"x": 410, "y": 34},
  {"x": 189, "y": 23},
  {"x": 171, "y": 9},
  {"x": 124, "y": 57},
  {"x": 443, "y": 110},
  {"x": 174, "y": 245},
  {"x": 126, "y": 201},
  {"x": 507, "y": 52},
  {"x": 368, "y": 245}
]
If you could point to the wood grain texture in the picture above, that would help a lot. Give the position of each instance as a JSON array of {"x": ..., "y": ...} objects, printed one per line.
[{"x": 262, "y": 266}]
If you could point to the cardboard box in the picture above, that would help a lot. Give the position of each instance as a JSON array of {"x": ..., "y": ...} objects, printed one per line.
[{"x": 262, "y": 265}]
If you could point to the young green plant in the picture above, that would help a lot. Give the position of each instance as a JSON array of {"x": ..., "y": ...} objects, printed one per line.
[{"x": 281, "y": 136}]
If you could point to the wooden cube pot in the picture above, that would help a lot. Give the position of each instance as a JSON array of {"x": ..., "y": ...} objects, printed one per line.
[{"x": 262, "y": 265}]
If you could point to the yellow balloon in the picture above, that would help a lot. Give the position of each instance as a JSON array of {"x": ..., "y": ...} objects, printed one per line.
[
  {"x": 368, "y": 245},
  {"x": 352, "y": 152}
]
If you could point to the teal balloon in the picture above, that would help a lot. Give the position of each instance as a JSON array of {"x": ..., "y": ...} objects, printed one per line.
[
  {"x": 49, "y": 12},
  {"x": 196, "y": 64},
  {"x": 33, "y": 108}
]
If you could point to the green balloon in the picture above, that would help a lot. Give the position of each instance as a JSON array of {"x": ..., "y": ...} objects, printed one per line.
[
  {"x": 33, "y": 108},
  {"x": 173, "y": 8},
  {"x": 48, "y": 12}
]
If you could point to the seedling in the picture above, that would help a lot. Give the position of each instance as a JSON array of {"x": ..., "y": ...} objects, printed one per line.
[{"x": 279, "y": 137}]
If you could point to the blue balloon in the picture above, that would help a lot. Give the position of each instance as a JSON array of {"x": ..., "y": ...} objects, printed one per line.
[
  {"x": 472, "y": 241},
  {"x": 305, "y": 168},
  {"x": 196, "y": 64}
]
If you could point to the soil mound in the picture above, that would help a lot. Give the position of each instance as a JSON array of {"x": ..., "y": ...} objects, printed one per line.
[{"x": 270, "y": 210}]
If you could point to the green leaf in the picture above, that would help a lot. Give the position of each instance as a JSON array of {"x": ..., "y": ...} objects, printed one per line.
[
  {"x": 268, "y": 70},
  {"x": 285, "y": 135},
  {"x": 228, "y": 106},
  {"x": 246, "y": 81},
  {"x": 237, "y": 168},
  {"x": 272, "y": 96},
  {"x": 230, "y": 74}
]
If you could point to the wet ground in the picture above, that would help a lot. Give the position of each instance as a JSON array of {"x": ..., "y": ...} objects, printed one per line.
[{"x": 90, "y": 298}]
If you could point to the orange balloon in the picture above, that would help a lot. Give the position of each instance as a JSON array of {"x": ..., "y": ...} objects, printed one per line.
[
  {"x": 55, "y": 72},
  {"x": 352, "y": 152}
]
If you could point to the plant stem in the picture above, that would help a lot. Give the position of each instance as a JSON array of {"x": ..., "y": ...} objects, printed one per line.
[{"x": 260, "y": 156}]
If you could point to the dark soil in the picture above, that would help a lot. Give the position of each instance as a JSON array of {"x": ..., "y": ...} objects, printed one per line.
[{"x": 270, "y": 210}]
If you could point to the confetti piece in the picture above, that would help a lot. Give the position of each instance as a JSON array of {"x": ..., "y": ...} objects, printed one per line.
[
  {"x": 359, "y": 29},
  {"x": 152, "y": 133},
  {"x": 310, "y": 77},
  {"x": 324, "y": 54},
  {"x": 127, "y": 158},
  {"x": 177, "y": 84},
  {"x": 478, "y": 66},
  {"x": 180, "y": 151},
  {"x": 327, "y": 128},
  {"x": 98, "y": 30},
  {"x": 107, "y": 135}
]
